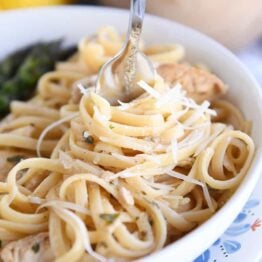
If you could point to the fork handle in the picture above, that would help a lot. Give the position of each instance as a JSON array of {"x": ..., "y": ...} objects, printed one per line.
[{"x": 137, "y": 11}]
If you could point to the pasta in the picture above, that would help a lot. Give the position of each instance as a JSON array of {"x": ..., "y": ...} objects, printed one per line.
[{"x": 82, "y": 180}]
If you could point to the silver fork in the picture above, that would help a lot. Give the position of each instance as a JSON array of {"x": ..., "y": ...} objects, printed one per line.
[{"x": 117, "y": 78}]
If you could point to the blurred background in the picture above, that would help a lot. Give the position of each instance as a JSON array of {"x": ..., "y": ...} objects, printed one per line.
[{"x": 234, "y": 23}]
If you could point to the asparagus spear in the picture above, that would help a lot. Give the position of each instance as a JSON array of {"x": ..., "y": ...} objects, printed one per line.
[
  {"x": 10, "y": 64},
  {"x": 39, "y": 60}
]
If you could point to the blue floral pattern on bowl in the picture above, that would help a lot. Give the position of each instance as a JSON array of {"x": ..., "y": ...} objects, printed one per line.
[{"x": 230, "y": 242}]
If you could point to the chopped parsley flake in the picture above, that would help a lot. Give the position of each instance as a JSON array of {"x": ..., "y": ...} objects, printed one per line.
[
  {"x": 15, "y": 159},
  {"x": 109, "y": 218},
  {"x": 36, "y": 247}
]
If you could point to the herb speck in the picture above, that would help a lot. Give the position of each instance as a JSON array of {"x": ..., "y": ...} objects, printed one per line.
[
  {"x": 15, "y": 159},
  {"x": 36, "y": 247},
  {"x": 109, "y": 218}
]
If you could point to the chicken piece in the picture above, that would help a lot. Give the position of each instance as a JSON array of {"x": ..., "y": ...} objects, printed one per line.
[
  {"x": 199, "y": 84},
  {"x": 34, "y": 248}
]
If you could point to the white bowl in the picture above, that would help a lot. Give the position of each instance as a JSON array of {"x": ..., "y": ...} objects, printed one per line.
[{"x": 18, "y": 28}]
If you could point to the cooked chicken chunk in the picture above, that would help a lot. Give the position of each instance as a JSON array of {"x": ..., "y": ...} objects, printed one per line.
[
  {"x": 199, "y": 84},
  {"x": 30, "y": 249}
]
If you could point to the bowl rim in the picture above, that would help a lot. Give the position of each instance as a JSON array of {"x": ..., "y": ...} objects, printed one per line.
[{"x": 247, "y": 185}]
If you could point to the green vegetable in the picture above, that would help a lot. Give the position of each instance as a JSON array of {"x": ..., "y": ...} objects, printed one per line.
[
  {"x": 24, "y": 71},
  {"x": 66, "y": 53},
  {"x": 15, "y": 159},
  {"x": 11, "y": 63},
  {"x": 36, "y": 247},
  {"x": 109, "y": 218}
]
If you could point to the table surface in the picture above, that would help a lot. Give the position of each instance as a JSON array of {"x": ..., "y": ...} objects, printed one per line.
[{"x": 242, "y": 240}]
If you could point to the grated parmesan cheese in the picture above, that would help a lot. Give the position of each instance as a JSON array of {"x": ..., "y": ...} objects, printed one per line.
[
  {"x": 126, "y": 196},
  {"x": 173, "y": 95},
  {"x": 83, "y": 90},
  {"x": 196, "y": 182},
  {"x": 66, "y": 160},
  {"x": 151, "y": 91},
  {"x": 49, "y": 128}
]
